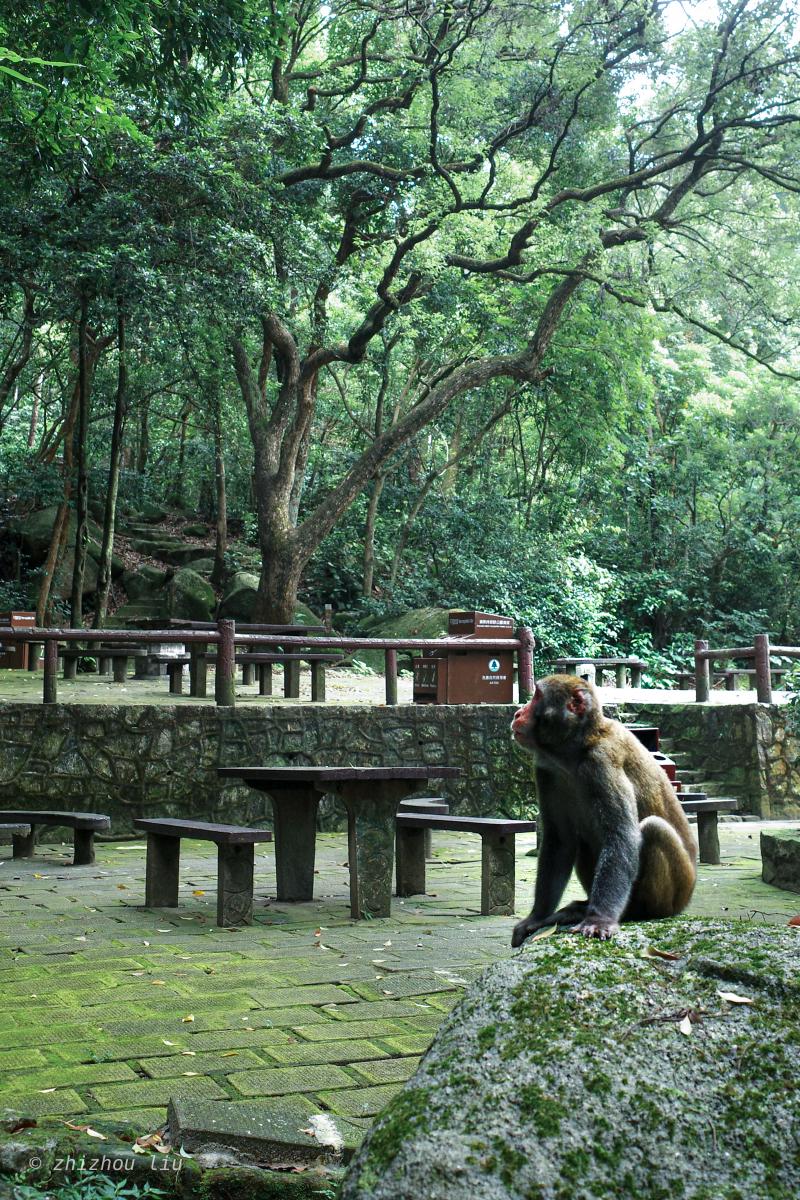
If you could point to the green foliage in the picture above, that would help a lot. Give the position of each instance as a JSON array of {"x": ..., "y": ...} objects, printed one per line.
[{"x": 89, "y": 1185}]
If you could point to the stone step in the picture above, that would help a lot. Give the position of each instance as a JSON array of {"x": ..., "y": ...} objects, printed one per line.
[
  {"x": 712, "y": 787},
  {"x": 688, "y": 776}
]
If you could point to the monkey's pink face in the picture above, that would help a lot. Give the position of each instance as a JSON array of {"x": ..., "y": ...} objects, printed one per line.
[
  {"x": 522, "y": 725},
  {"x": 549, "y": 716}
]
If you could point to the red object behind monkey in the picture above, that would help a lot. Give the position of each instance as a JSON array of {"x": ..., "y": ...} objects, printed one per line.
[{"x": 605, "y": 808}]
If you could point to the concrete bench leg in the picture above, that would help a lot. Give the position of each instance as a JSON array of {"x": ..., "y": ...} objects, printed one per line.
[
  {"x": 70, "y": 667},
  {"x": 295, "y": 832},
  {"x": 235, "y": 884},
  {"x": 161, "y": 875},
  {"x": 248, "y": 673},
  {"x": 175, "y": 679},
  {"x": 410, "y": 859},
  {"x": 198, "y": 671},
  {"x": 291, "y": 680},
  {"x": 370, "y": 840},
  {"x": 318, "y": 681},
  {"x": 498, "y": 874},
  {"x": 708, "y": 837},
  {"x": 265, "y": 679},
  {"x": 120, "y": 669},
  {"x": 23, "y": 846},
  {"x": 104, "y": 665},
  {"x": 83, "y": 845}
]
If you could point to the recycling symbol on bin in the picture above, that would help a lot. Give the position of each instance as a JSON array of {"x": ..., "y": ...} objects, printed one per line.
[{"x": 494, "y": 664}]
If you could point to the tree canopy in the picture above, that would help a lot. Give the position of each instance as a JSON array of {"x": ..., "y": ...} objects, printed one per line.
[{"x": 505, "y": 291}]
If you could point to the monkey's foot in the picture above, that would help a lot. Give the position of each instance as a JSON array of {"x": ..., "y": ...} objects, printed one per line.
[{"x": 598, "y": 927}]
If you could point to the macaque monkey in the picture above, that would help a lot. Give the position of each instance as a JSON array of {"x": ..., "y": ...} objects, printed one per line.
[{"x": 605, "y": 808}]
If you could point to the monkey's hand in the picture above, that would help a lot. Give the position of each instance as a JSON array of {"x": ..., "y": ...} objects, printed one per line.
[{"x": 598, "y": 927}]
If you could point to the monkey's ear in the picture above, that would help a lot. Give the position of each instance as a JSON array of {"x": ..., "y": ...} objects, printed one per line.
[
  {"x": 536, "y": 697},
  {"x": 579, "y": 702}
]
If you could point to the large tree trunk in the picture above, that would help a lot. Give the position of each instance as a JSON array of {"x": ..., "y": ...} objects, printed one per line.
[
  {"x": 82, "y": 495},
  {"x": 110, "y": 511}
]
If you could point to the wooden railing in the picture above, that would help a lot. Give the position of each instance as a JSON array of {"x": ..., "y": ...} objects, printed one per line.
[
  {"x": 225, "y": 638},
  {"x": 759, "y": 653}
]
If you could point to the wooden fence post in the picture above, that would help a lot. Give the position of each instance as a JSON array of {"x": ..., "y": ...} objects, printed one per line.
[
  {"x": 50, "y": 672},
  {"x": 763, "y": 676},
  {"x": 525, "y": 681},
  {"x": 390, "y": 670},
  {"x": 702, "y": 674},
  {"x": 225, "y": 680}
]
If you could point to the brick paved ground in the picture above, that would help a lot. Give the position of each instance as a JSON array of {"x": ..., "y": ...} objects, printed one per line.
[{"x": 106, "y": 1010}]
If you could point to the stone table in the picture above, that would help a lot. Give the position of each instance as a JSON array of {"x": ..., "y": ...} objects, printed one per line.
[{"x": 371, "y": 796}]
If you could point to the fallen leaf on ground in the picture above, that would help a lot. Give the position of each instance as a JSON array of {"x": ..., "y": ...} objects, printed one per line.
[
  {"x": 45, "y": 1091},
  {"x": 157, "y": 983},
  {"x": 198, "y": 892},
  {"x": 228, "y": 1053},
  {"x": 22, "y": 1123},
  {"x": 167, "y": 1043},
  {"x": 190, "y": 1053},
  {"x": 654, "y": 952},
  {"x": 122, "y": 887},
  {"x": 88, "y": 1130},
  {"x": 190, "y": 1072},
  {"x": 795, "y": 920},
  {"x": 732, "y": 998},
  {"x": 543, "y": 933},
  {"x": 187, "y": 1020},
  {"x": 685, "y": 1026}
]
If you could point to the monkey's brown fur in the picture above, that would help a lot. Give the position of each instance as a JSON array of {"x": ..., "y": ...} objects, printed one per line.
[{"x": 605, "y": 808}]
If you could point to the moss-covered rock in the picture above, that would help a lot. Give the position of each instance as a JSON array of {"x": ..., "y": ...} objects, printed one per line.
[
  {"x": 417, "y": 623},
  {"x": 144, "y": 583},
  {"x": 239, "y": 597},
  {"x": 191, "y": 596},
  {"x": 780, "y": 858},
  {"x": 580, "y": 1069}
]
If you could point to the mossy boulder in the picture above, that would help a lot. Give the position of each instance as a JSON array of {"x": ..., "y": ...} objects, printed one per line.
[
  {"x": 145, "y": 582},
  {"x": 780, "y": 858},
  {"x": 36, "y": 529},
  {"x": 195, "y": 530},
  {"x": 416, "y": 623},
  {"x": 239, "y": 598},
  {"x": 191, "y": 596},
  {"x": 580, "y": 1069}
]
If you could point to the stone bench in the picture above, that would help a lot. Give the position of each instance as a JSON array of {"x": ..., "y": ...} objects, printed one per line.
[
  {"x": 498, "y": 864},
  {"x": 291, "y": 675},
  {"x": 780, "y": 858},
  {"x": 433, "y": 806},
  {"x": 235, "y": 861},
  {"x": 10, "y": 832},
  {"x": 118, "y": 656},
  {"x": 85, "y": 825},
  {"x": 707, "y": 810},
  {"x": 174, "y": 665}
]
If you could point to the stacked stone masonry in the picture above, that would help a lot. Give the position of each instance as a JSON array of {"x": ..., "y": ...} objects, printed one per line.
[{"x": 132, "y": 761}]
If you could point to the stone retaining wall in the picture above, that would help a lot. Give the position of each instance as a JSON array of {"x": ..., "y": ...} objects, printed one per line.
[
  {"x": 130, "y": 761},
  {"x": 152, "y": 760},
  {"x": 744, "y": 747}
]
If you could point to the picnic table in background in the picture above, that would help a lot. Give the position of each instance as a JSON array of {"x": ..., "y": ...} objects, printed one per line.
[{"x": 371, "y": 796}]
